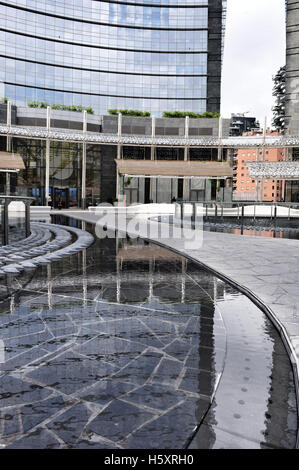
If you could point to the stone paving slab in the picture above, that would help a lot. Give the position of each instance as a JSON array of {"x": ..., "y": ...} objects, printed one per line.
[{"x": 266, "y": 269}]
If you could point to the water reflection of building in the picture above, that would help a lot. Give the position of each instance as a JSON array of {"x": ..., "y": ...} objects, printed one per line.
[
  {"x": 257, "y": 232},
  {"x": 134, "y": 275},
  {"x": 131, "y": 273}
]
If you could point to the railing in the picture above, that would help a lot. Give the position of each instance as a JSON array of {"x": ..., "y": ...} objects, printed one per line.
[{"x": 218, "y": 211}]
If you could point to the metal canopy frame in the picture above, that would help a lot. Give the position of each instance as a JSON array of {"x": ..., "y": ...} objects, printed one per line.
[{"x": 42, "y": 133}]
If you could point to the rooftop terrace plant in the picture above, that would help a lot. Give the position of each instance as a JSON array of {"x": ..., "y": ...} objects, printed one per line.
[
  {"x": 180, "y": 114},
  {"x": 62, "y": 107},
  {"x": 129, "y": 112}
]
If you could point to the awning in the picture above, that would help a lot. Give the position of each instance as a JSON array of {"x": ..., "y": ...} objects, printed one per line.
[
  {"x": 170, "y": 168},
  {"x": 11, "y": 161}
]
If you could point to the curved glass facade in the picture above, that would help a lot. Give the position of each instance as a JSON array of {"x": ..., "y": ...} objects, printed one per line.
[{"x": 149, "y": 55}]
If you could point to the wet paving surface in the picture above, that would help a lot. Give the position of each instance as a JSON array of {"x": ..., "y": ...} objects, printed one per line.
[{"x": 128, "y": 345}]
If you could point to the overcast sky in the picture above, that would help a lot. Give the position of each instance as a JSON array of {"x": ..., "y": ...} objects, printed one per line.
[{"x": 254, "y": 51}]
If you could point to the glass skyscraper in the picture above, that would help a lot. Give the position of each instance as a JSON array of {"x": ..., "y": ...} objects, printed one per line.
[{"x": 149, "y": 55}]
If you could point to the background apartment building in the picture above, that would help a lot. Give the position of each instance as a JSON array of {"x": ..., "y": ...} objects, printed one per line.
[
  {"x": 240, "y": 123},
  {"x": 248, "y": 189}
]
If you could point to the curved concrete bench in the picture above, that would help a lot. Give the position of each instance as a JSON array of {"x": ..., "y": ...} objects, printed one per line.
[{"x": 39, "y": 250}]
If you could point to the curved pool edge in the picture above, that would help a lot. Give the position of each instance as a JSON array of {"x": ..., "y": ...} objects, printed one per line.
[
  {"x": 260, "y": 304},
  {"x": 86, "y": 216}
]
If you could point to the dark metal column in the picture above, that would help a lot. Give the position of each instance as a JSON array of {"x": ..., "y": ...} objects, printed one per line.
[
  {"x": 5, "y": 237},
  {"x": 2, "y": 208},
  {"x": 193, "y": 216},
  {"x": 27, "y": 218}
]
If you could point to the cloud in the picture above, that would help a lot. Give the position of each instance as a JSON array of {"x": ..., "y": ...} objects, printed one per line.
[{"x": 254, "y": 51}]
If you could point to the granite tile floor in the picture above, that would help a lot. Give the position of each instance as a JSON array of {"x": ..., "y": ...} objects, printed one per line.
[{"x": 127, "y": 345}]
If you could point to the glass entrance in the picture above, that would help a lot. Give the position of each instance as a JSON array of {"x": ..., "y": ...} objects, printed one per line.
[{"x": 60, "y": 198}]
